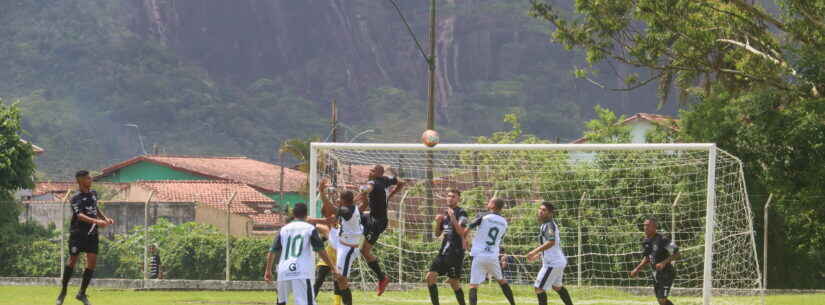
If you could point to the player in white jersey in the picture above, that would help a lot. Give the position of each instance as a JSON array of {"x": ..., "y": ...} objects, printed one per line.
[
  {"x": 553, "y": 260},
  {"x": 295, "y": 247},
  {"x": 491, "y": 228},
  {"x": 347, "y": 238}
]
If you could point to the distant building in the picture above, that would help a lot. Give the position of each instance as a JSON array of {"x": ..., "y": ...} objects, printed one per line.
[
  {"x": 642, "y": 123},
  {"x": 261, "y": 176}
]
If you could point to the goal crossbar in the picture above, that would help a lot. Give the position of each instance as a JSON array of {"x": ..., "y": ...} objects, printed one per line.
[{"x": 494, "y": 147}]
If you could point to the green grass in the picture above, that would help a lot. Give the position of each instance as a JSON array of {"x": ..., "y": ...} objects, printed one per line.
[{"x": 488, "y": 294}]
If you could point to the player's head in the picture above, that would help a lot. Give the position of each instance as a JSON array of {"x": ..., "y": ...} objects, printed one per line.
[
  {"x": 650, "y": 226},
  {"x": 347, "y": 198},
  {"x": 300, "y": 211},
  {"x": 546, "y": 211},
  {"x": 453, "y": 197},
  {"x": 153, "y": 248},
  {"x": 84, "y": 180},
  {"x": 376, "y": 171},
  {"x": 495, "y": 204}
]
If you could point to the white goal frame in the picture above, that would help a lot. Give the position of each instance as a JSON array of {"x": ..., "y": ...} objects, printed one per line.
[{"x": 711, "y": 149}]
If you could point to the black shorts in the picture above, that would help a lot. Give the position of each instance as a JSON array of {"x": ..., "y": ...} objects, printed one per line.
[
  {"x": 662, "y": 281},
  {"x": 373, "y": 227},
  {"x": 450, "y": 264},
  {"x": 82, "y": 242}
]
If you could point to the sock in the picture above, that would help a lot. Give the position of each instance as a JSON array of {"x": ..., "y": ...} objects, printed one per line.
[
  {"x": 473, "y": 296},
  {"x": 508, "y": 293},
  {"x": 323, "y": 271},
  {"x": 433, "y": 293},
  {"x": 565, "y": 296},
  {"x": 336, "y": 299},
  {"x": 377, "y": 269},
  {"x": 542, "y": 298},
  {"x": 87, "y": 278},
  {"x": 669, "y": 302},
  {"x": 459, "y": 296},
  {"x": 67, "y": 275},
  {"x": 346, "y": 296}
]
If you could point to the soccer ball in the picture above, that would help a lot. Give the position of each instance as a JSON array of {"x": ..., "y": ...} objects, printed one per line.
[{"x": 430, "y": 138}]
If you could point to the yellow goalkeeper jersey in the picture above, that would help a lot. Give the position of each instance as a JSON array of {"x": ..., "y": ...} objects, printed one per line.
[{"x": 331, "y": 253}]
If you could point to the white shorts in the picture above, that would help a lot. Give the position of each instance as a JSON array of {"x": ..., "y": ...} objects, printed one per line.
[
  {"x": 549, "y": 276},
  {"x": 482, "y": 267},
  {"x": 302, "y": 289},
  {"x": 345, "y": 256},
  {"x": 333, "y": 238}
]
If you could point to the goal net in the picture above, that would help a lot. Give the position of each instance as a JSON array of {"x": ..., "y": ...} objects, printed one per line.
[{"x": 602, "y": 194}]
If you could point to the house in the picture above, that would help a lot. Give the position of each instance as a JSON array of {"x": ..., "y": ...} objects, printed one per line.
[
  {"x": 26, "y": 194},
  {"x": 202, "y": 201},
  {"x": 260, "y": 176},
  {"x": 642, "y": 123},
  {"x": 250, "y": 211}
]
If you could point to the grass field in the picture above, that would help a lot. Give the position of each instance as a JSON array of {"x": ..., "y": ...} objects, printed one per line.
[{"x": 487, "y": 295}]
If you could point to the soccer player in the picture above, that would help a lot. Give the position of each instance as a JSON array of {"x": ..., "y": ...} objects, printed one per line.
[
  {"x": 295, "y": 246},
  {"x": 83, "y": 235},
  {"x": 328, "y": 229},
  {"x": 450, "y": 258},
  {"x": 376, "y": 221},
  {"x": 553, "y": 260},
  {"x": 659, "y": 251},
  {"x": 323, "y": 270},
  {"x": 349, "y": 235},
  {"x": 491, "y": 229}
]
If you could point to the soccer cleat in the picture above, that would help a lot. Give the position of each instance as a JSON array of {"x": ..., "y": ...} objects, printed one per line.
[
  {"x": 60, "y": 298},
  {"x": 382, "y": 285},
  {"x": 83, "y": 298}
]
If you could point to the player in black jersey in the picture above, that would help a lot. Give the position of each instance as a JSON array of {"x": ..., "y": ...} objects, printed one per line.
[
  {"x": 83, "y": 235},
  {"x": 659, "y": 251},
  {"x": 378, "y": 197},
  {"x": 450, "y": 258}
]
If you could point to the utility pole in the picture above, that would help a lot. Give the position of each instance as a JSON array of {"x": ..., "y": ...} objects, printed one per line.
[{"x": 431, "y": 119}]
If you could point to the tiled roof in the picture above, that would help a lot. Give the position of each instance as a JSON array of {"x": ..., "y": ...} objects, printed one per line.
[
  {"x": 214, "y": 194},
  {"x": 658, "y": 119},
  {"x": 37, "y": 149},
  {"x": 258, "y": 174},
  {"x": 42, "y": 188}
]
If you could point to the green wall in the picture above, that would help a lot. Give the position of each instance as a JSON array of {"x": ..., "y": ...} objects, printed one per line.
[
  {"x": 147, "y": 171},
  {"x": 289, "y": 198}
]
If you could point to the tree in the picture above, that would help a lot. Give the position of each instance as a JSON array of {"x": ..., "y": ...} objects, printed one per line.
[
  {"x": 753, "y": 79},
  {"x": 16, "y": 172}
]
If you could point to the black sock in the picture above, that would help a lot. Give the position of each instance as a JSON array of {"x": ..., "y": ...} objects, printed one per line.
[
  {"x": 67, "y": 275},
  {"x": 473, "y": 296},
  {"x": 323, "y": 271},
  {"x": 346, "y": 296},
  {"x": 433, "y": 293},
  {"x": 565, "y": 296},
  {"x": 508, "y": 293},
  {"x": 542, "y": 298},
  {"x": 377, "y": 269},
  {"x": 459, "y": 296},
  {"x": 87, "y": 278}
]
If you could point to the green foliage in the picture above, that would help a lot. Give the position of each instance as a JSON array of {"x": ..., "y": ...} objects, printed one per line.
[{"x": 754, "y": 77}]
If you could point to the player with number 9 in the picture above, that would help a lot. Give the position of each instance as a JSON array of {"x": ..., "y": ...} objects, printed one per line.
[{"x": 491, "y": 228}]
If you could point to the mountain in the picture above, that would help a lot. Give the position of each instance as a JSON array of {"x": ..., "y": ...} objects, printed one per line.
[{"x": 239, "y": 77}]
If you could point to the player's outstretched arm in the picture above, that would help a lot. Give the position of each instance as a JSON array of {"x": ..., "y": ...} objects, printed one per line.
[
  {"x": 399, "y": 186},
  {"x": 328, "y": 207},
  {"x": 534, "y": 254},
  {"x": 638, "y": 268},
  {"x": 95, "y": 221}
]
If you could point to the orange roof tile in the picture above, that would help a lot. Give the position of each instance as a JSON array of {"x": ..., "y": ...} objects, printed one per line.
[
  {"x": 215, "y": 194},
  {"x": 258, "y": 174},
  {"x": 42, "y": 188}
]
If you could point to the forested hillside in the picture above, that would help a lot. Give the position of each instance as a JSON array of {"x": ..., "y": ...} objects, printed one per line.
[{"x": 239, "y": 77}]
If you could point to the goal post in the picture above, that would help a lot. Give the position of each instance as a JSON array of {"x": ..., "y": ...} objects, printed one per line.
[{"x": 622, "y": 183}]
